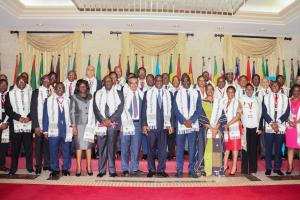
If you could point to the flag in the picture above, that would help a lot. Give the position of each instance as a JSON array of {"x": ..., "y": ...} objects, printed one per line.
[
  {"x": 41, "y": 72},
  {"x": 143, "y": 64},
  {"x": 248, "y": 73},
  {"x": 223, "y": 68},
  {"x": 178, "y": 70},
  {"x": 237, "y": 69},
  {"x": 191, "y": 71},
  {"x": 89, "y": 61},
  {"x": 157, "y": 69},
  {"x": 128, "y": 67},
  {"x": 51, "y": 65},
  {"x": 33, "y": 75},
  {"x": 69, "y": 66},
  {"x": 119, "y": 63},
  {"x": 267, "y": 68},
  {"x": 253, "y": 69},
  {"x": 263, "y": 69},
  {"x": 98, "y": 72},
  {"x": 277, "y": 68},
  {"x": 74, "y": 63},
  {"x": 292, "y": 79},
  {"x": 20, "y": 65},
  {"x": 136, "y": 66},
  {"x": 203, "y": 63},
  {"x": 58, "y": 69},
  {"x": 171, "y": 68},
  {"x": 284, "y": 69},
  {"x": 209, "y": 69},
  {"x": 16, "y": 68},
  {"x": 108, "y": 69},
  {"x": 298, "y": 71},
  {"x": 215, "y": 77}
]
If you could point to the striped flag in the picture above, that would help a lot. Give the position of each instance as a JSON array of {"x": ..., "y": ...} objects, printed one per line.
[
  {"x": 98, "y": 72},
  {"x": 284, "y": 69},
  {"x": 277, "y": 67},
  {"x": 171, "y": 67},
  {"x": 191, "y": 71},
  {"x": 157, "y": 68},
  {"x": 267, "y": 68},
  {"x": 69, "y": 66},
  {"x": 263, "y": 69},
  {"x": 253, "y": 69},
  {"x": 128, "y": 67},
  {"x": 210, "y": 69},
  {"x": 33, "y": 75},
  {"x": 108, "y": 69},
  {"x": 248, "y": 73},
  {"x": 143, "y": 64},
  {"x": 20, "y": 70},
  {"x": 178, "y": 70},
  {"x": 223, "y": 68},
  {"x": 74, "y": 63},
  {"x": 58, "y": 69},
  {"x": 292, "y": 78},
  {"x": 51, "y": 65},
  {"x": 136, "y": 66},
  {"x": 89, "y": 61},
  {"x": 41, "y": 72},
  {"x": 237, "y": 69},
  {"x": 215, "y": 70},
  {"x": 119, "y": 63},
  {"x": 16, "y": 68}
]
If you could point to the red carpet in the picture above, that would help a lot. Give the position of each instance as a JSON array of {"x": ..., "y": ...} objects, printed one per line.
[
  {"x": 45, "y": 192},
  {"x": 171, "y": 165}
]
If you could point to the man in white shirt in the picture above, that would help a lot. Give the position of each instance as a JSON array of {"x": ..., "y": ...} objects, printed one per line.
[{"x": 70, "y": 83}]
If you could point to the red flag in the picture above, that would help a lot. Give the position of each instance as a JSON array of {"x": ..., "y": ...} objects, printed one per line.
[
  {"x": 143, "y": 65},
  {"x": 178, "y": 73},
  {"x": 16, "y": 69},
  {"x": 119, "y": 64},
  {"x": 248, "y": 70},
  {"x": 191, "y": 71}
]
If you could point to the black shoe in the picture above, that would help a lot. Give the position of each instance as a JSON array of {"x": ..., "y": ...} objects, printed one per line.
[
  {"x": 162, "y": 174},
  {"x": 179, "y": 175},
  {"x": 100, "y": 175},
  {"x": 288, "y": 172},
  {"x": 30, "y": 170},
  {"x": 144, "y": 157},
  {"x": 278, "y": 172},
  {"x": 3, "y": 169},
  {"x": 113, "y": 174},
  {"x": 46, "y": 168},
  {"x": 38, "y": 171},
  {"x": 150, "y": 174},
  {"x": 268, "y": 172},
  {"x": 78, "y": 174},
  {"x": 203, "y": 173},
  {"x": 65, "y": 172},
  {"x": 54, "y": 174},
  {"x": 11, "y": 173},
  {"x": 125, "y": 173},
  {"x": 89, "y": 173}
]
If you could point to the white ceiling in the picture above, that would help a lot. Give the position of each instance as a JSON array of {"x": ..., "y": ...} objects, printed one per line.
[{"x": 256, "y": 17}]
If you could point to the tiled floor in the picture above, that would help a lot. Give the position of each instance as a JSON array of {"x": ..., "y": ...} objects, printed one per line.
[{"x": 143, "y": 181}]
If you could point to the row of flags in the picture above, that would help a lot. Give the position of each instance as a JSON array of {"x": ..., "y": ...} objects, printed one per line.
[{"x": 213, "y": 71}]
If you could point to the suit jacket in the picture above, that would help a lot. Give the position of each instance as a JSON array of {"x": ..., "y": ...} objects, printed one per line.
[
  {"x": 116, "y": 116},
  {"x": 79, "y": 108},
  {"x": 99, "y": 84},
  {"x": 34, "y": 109},
  {"x": 159, "y": 114}
]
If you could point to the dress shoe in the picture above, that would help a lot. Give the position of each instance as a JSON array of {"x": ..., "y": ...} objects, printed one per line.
[
  {"x": 65, "y": 172},
  {"x": 100, "y": 175},
  {"x": 78, "y": 174},
  {"x": 54, "y": 174},
  {"x": 144, "y": 157},
  {"x": 162, "y": 174},
  {"x": 38, "y": 171},
  {"x": 113, "y": 174},
  {"x": 179, "y": 175},
  {"x": 11, "y": 173},
  {"x": 268, "y": 172},
  {"x": 278, "y": 172},
  {"x": 150, "y": 174},
  {"x": 125, "y": 173},
  {"x": 89, "y": 173}
]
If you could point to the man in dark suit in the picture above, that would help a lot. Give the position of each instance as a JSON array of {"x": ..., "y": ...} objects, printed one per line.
[
  {"x": 4, "y": 141},
  {"x": 94, "y": 84},
  {"x": 157, "y": 123},
  {"x": 109, "y": 120},
  {"x": 36, "y": 108}
]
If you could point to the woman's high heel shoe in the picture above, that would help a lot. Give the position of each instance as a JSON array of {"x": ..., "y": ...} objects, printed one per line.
[
  {"x": 78, "y": 174},
  {"x": 289, "y": 172},
  {"x": 89, "y": 173},
  {"x": 232, "y": 174}
]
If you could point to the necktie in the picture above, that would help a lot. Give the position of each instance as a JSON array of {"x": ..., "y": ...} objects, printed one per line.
[
  {"x": 135, "y": 107},
  {"x": 276, "y": 105},
  {"x": 60, "y": 102},
  {"x": 159, "y": 99},
  {"x": 188, "y": 100},
  {"x": 22, "y": 98},
  {"x": 70, "y": 89},
  {"x": 106, "y": 111}
]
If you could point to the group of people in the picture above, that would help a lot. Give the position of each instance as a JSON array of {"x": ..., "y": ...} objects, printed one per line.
[{"x": 149, "y": 116}]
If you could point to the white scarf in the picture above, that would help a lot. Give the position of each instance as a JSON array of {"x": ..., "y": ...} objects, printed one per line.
[
  {"x": 152, "y": 105},
  {"x": 291, "y": 118},
  {"x": 127, "y": 122},
  {"x": 269, "y": 101},
  {"x": 2, "y": 110},
  {"x": 103, "y": 97},
  {"x": 5, "y": 132},
  {"x": 43, "y": 94},
  {"x": 122, "y": 81},
  {"x": 22, "y": 108},
  {"x": 240, "y": 92},
  {"x": 172, "y": 89},
  {"x": 231, "y": 112},
  {"x": 67, "y": 84},
  {"x": 181, "y": 101},
  {"x": 52, "y": 108},
  {"x": 203, "y": 95},
  {"x": 89, "y": 131},
  {"x": 220, "y": 93},
  {"x": 93, "y": 84}
]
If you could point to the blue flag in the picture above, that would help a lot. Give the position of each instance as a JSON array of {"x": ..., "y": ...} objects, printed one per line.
[
  {"x": 157, "y": 69},
  {"x": 253, "y": 69}
]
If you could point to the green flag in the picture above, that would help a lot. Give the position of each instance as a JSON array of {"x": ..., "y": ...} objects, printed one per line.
[
  {"x": 33, "y": 75},
  {"x": 267, "y": 68},
  {"x": 171, "y": 68},
  {"x": 20, "y": 65},
  {"x": 136, "y": 66},
  {"x": 41, "y": 72},
  {"x": 292, "y": 78},
  {"x": 263, "y": 67},
  {"x": 215, "y": 77},
  {"x": 89, "y": 61},
  {"x": 74, "y": 63},
  {"x": 98, "y": 73},
  {"x": 284, "y": 70}
]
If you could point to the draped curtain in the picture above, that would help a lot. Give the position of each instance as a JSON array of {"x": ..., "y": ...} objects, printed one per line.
[
  {"x": 256, "y": 49},
  {"x": 49, "y": 45},
  {"x": 149, "y": 46}
]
